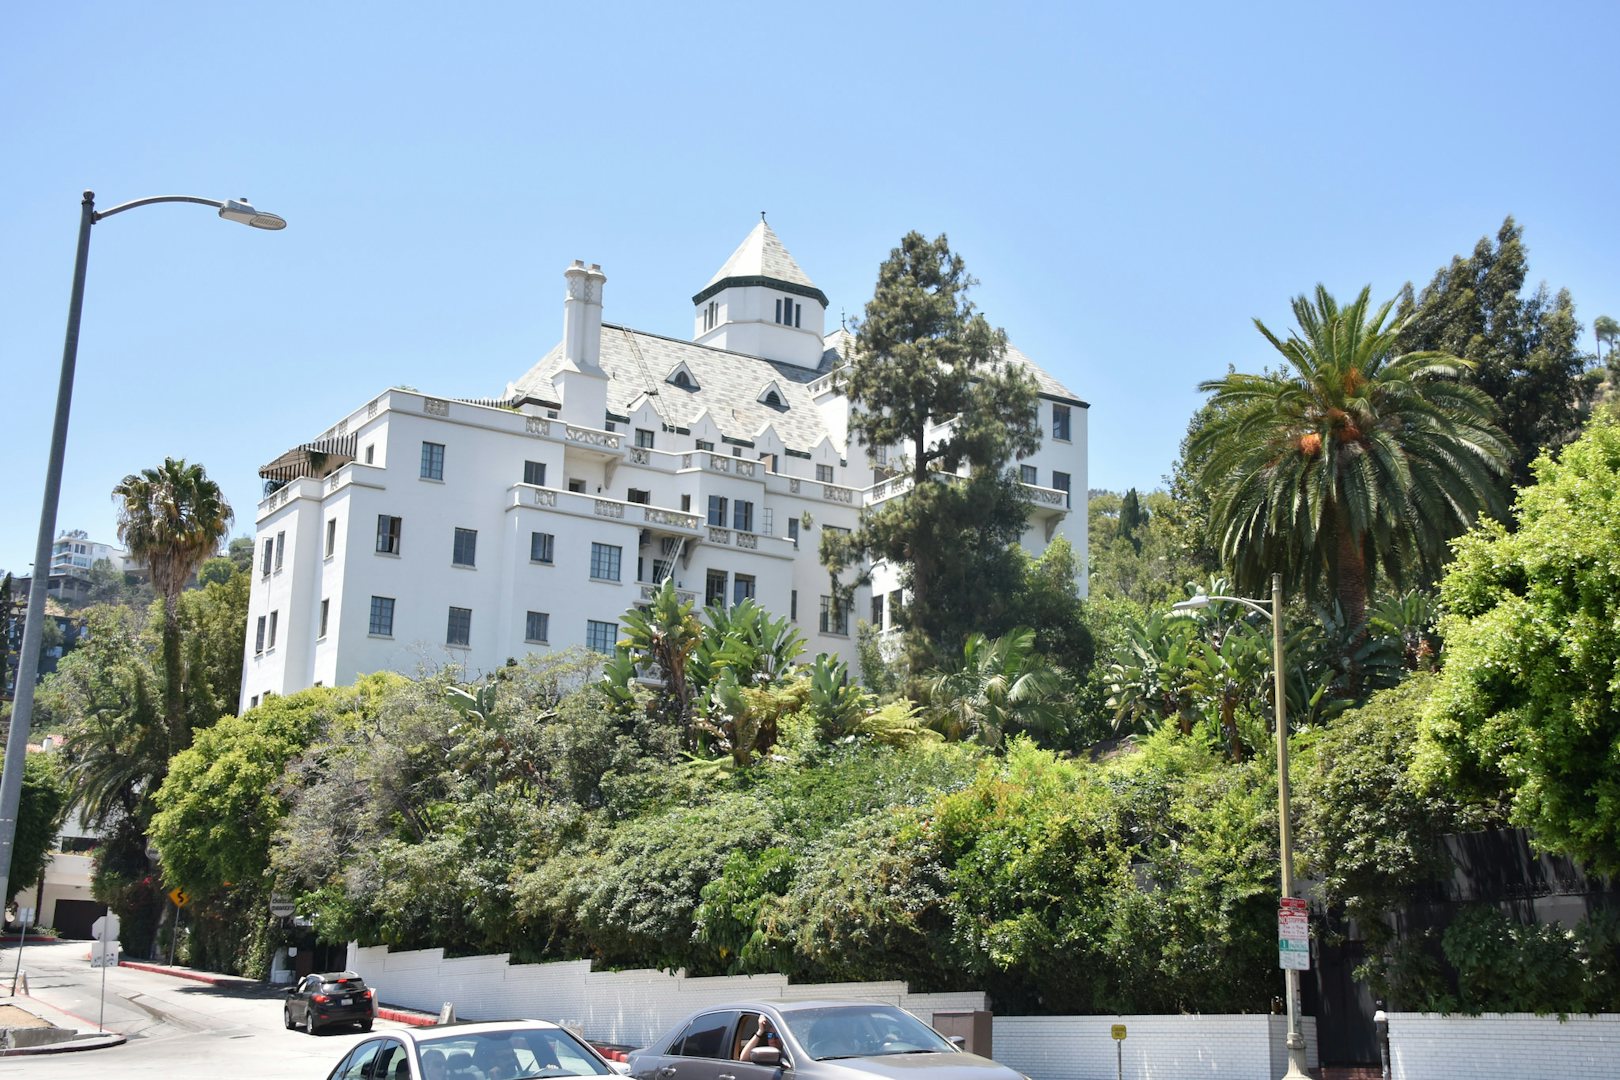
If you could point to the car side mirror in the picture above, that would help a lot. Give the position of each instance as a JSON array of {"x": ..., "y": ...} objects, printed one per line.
[
  {"x": 292, "y": 991},
  {"x": 959, "y": 1042},
  {"x": 769, "y": 1056}
]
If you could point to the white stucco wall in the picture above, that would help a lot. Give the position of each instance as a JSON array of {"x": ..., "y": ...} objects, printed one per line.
[{"x": 1503, "y": 1046}]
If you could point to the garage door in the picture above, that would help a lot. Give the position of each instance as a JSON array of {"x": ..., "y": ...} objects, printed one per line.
[{"x": 75, "y": 917}]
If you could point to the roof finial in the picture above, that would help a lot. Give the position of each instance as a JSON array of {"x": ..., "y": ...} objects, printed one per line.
[
  {"x": 843, "y": 323},
  {"x": 762, "y": 215}
]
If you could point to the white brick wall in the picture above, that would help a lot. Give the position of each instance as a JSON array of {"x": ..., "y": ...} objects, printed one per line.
[
  {"x": 626, "y": 1007},
  {"x": 1503, "y": 1046},
  {"x": 1238, "y": 1047}
]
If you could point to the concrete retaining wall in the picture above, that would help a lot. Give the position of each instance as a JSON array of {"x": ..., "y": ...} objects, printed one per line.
[
  {"x": 1234, "y": 1047},
  {"x": 1503, "y": 1046},
  {"x": 629, "y": 1008}
]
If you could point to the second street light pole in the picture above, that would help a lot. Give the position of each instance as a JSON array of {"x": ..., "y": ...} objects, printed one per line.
[
  {"x": 1285, "y": 829},
  {"x": 22, "y": 707}
]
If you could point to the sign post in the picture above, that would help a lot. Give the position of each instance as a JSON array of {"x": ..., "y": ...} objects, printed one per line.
[
  {"x": 1293, "y": 935},
  {"x": 1118, "y": 1032},
  {"x": 280, "y": 907},
  {"x": 25, "y": 916}
]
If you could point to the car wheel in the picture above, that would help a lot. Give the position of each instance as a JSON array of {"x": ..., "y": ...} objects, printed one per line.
[
  {"x": 286, "y": 1017},
  {"x": 365, "y": 1025},
  {"x": 309, "y": 1023}
]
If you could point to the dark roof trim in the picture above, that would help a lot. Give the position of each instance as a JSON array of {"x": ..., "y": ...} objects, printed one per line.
[
  {"x": 774, "y": 283},
  {"x": 1076, "y": 402}
]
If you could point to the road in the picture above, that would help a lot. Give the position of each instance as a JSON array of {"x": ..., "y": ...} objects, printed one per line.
[{"x": 177, "y": 1029}]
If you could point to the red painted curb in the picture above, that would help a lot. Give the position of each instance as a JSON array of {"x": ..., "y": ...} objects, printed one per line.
[
  {"x": 400, "y": 1016},
  {"x": 182, "y": 973}
]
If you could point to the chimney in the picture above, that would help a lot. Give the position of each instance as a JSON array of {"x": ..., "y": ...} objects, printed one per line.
[
  {"x": 582, "y": 317},
  {"x": 581, "y": 382}
]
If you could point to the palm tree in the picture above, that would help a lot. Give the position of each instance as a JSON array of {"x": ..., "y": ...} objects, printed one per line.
[
  {"x": 172, "y": 519},
  {"x": 1002, "y": 684},
  {"x": 1607, "y": 331},
  {"x": 1348, "y": 461}
]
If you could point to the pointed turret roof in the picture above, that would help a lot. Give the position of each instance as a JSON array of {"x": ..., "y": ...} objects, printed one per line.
[{"x": 762, "y": 260}]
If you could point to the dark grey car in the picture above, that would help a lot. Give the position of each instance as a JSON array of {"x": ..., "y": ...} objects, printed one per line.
[{"x": 817, "y": 1040}]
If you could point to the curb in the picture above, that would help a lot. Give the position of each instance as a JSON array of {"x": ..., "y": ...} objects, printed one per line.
[
  {"x": 186, "y": 973},
  {"x": 96, "y": 1042},
  {"x": 406, "y": 1016}
]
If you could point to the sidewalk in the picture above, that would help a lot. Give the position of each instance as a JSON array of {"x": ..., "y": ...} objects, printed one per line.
[
  {"x": 384, "y": 1012},
  {"x": 89, "y": 1038}
]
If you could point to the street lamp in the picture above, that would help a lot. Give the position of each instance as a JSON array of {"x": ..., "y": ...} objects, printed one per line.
[
  {"x": 1273, "y": 610},
  {"x": 22, "y": 709}
]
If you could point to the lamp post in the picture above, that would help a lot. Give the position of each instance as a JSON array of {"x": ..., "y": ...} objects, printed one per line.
[
  {"x": 1273, "y": 610},
  {"x": 22, "y": 709}
]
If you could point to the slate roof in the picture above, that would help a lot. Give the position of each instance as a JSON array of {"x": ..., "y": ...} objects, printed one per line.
[
  {"x": 761, "y": 259},
  {"x": 840, "y": 341},
  {"x": 729, "y": 385}
]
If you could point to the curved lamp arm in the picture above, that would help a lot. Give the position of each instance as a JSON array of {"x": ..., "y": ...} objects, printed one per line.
[
  {"x": 238, "y": 210},
  {"x": 1202, "y": 601}
]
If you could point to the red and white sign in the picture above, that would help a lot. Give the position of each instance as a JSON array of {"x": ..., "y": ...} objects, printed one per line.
[{"x": 1293, "y": 935}]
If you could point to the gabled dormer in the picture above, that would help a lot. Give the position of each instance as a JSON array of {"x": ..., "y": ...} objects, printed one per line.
[
  {"x": 772, "y": 396},
  {"x": 682, "y": 378},
  {"x": 760, "y": 303}
]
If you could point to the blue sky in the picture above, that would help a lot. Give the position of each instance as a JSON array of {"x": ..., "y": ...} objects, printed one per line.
[{"x": 1131, "y": 184}]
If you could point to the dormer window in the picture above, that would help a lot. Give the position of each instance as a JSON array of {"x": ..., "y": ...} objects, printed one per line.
[
  {"x": 682, "y": 378},
  {"x": 772, "y": 397},
  {"x": 788, "y": 312},
  {"x": 711, "y": 316}
]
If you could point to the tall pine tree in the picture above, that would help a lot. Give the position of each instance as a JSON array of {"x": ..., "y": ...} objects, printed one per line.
[
  {"x": 1526, "y": 348},
  {"x": 928, "y": 375}
]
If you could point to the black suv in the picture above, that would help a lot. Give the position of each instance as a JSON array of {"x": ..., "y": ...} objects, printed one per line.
[{"x": 338, "y": 997}]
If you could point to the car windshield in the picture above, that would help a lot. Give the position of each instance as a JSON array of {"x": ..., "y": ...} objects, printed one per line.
[
  {"x": 848, "y": 1031},
  {"x": 507, "y": 1055}
]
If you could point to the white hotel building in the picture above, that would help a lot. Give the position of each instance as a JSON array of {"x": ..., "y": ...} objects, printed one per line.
[{"x": 425, "y": 530}]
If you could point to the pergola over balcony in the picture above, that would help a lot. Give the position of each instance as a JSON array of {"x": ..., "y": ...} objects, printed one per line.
[{"x": 315, "y": 460}]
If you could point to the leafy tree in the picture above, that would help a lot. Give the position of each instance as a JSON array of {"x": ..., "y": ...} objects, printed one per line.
[
  {"x": 1046, "y": 598},
  {"x": 1350, "y": 461},
  {"x": 1525, "y": 349},
  {"x": 929, "y": 375},
  {"x": 1132, "y": 517},
  {"x": 39, "y": 816},
  {"x": 172, "y": 519},
  {"x": 1526, "y": 703}
]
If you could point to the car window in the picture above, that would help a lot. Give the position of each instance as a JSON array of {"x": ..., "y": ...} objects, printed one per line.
[
  {"x": 705, "y": 1037},
  {"x": 358, "y": 1064},
  {"x": 548, "y": 1052},
  {"x": 391, "y": 1063},
  {"x": 863, "y": 1031},
  {"x": 309, "y": 984}
]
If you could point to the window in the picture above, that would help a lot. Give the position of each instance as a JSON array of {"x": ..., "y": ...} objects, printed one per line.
[
  {"x": 788, "y": 312},
  {"x": 895, "y": 598},
  {"x": 258, "y": 638},
  {"x": 542, "y": 547},
  {"x": 824, "y": 473},
  {"x": 773, "y": 399},
  {"x": 269, "y": 555},
  {"x": 534, "y": 472},
  {"x": 1060, "y": 422},
  {"x": 768, "y": 522},
  {"x": 605, "y": 561},
  {"x": 704, "y": 1037},
  {"x": 682, "y": 379},
  {"x": 793, "y": 530},
  {"x": 387, "y": 534},
  {"x": 637, "y": 495},
  {"x": 459, "y": 632},
  {"x": 793, "y": 605},
  {"x": 769, "y": 461},
  {"x": 834, "y": 619},
  {"x": 717, "y": 511},
  {"x": 705, "y": 444},
  {"x": 326, "y": 608},
  {"x": 742, "y": 588},
  {"x": 371, "y": 453},
  {"x": 1027, "y": 474},
  {"x": 382, "y": 616},
  {"x": 686, "y": 503},
  {"x": 577, "y": 486},
  {"x": 537, "y": 627},
  {"x": 644, "y": 438},
  {"x": 714, "y": 588},
  {"x": 877, "y": 610},
  {"x": 1060, "y": 480},
  {"x": 742, "y": 515},
  {"x": 432, "y": 461},
  {"x": 601, "y": 636},
  {"x": 270, "y": 641},
  {"x": 253, "y": 702},
  {"x": 281, "y": 548},
  {"x": 331, "y": 537},
  {"x": 465, "y": 552}
]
